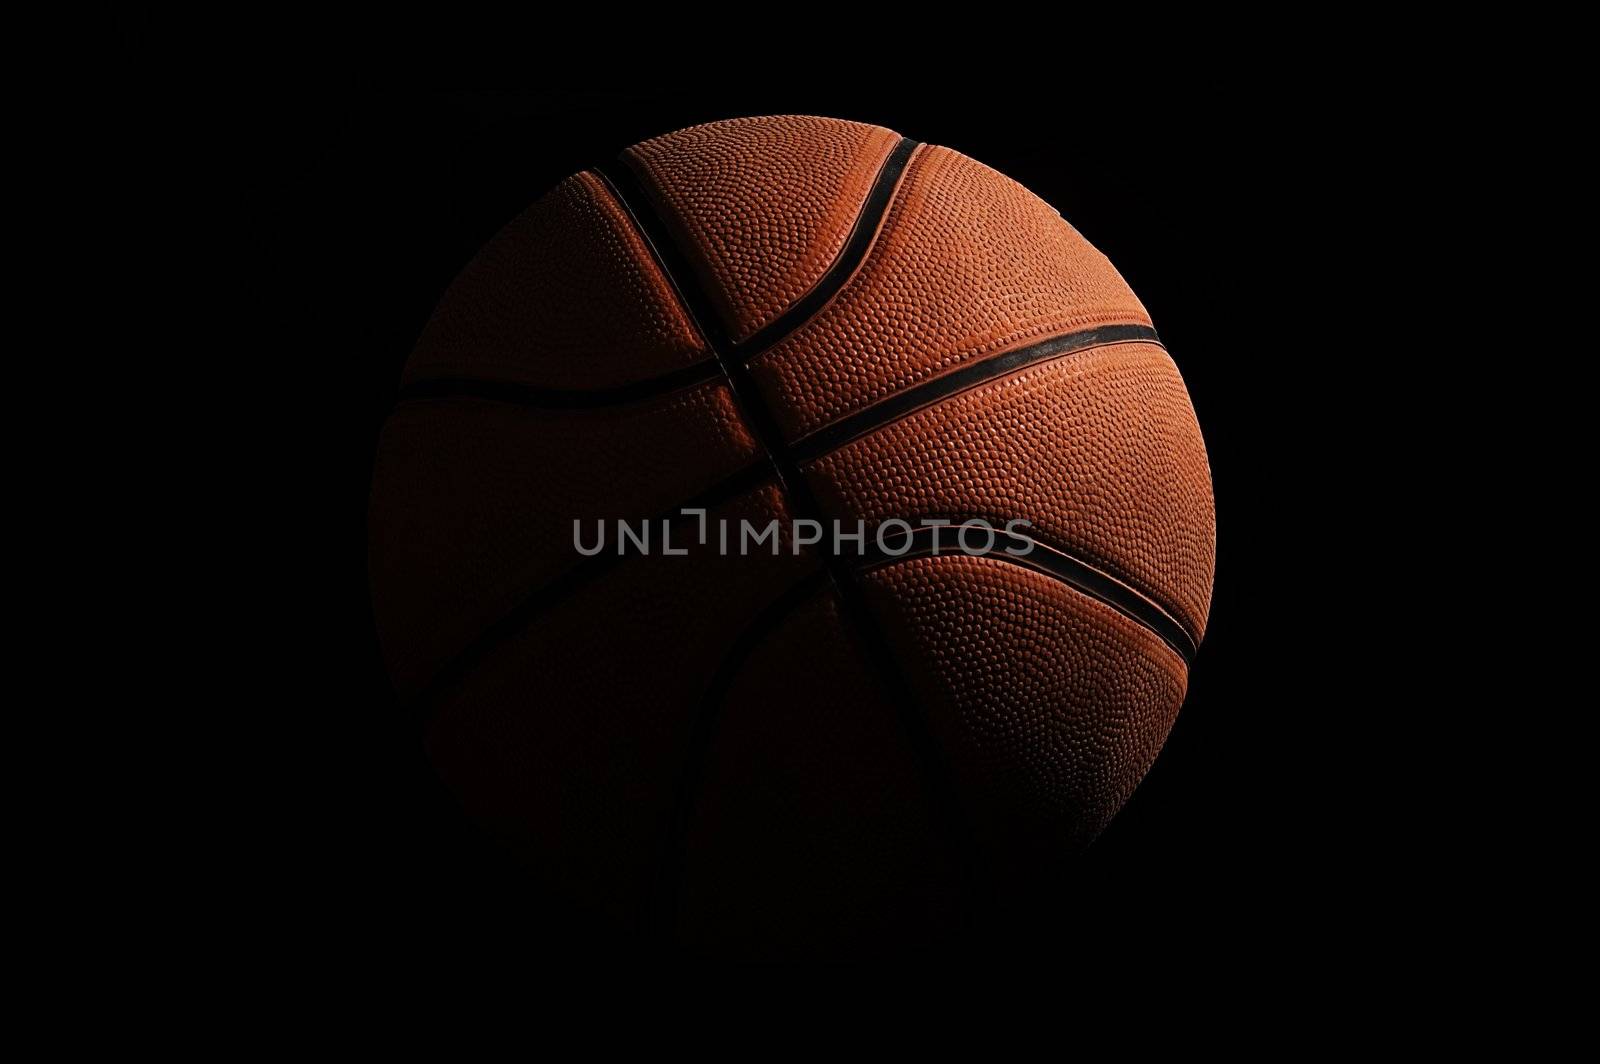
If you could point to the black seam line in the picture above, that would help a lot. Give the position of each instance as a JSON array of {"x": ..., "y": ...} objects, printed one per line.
[
  {"x": 636, "y": 201},
  {"x": 1043, "y": 558},
  {"x": 854, "y": 252},
  {"x": 584, "y": 571},
  {"x": 937, "y": 773},
  {"x": 665, "y": 252},
  {"x": 902, "y": 404},
  {"x": 629, "y": 194},
  {"x": 559, "y": 398},
  {"x": 702, "y": 734}
]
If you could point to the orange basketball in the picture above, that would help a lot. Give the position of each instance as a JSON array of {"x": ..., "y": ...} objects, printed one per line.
[{"x": 982, "y": 521}]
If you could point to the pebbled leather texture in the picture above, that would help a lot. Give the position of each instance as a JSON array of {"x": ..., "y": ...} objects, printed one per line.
[
  {"x": 808, "y": 777},
  {"x": 822, "y": 815},
  {"x": 566, "y": 296},
  {"x": 568, "y": 742},
  {"x": 763, "y": 235},
  {"x": 473, "y": 502},
  {"x": 1100, "y": 450},
  {"x": 1052, "y": 705},
  {"x": 968, "y": 264}
]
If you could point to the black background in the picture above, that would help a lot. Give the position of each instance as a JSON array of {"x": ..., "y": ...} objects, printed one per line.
[{"x": 1234, "y": 227}]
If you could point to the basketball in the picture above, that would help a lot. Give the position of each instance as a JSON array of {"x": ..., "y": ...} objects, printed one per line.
[{"x": 787, "y": 530}]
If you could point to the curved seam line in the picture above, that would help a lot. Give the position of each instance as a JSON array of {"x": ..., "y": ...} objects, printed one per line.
[
  {"x": 892, "y": 203},
  {"x": 846, "y": 430},
  {"x": 1187, "y": 647},
  {"x": 1156, "y": 601},
  {"x": 702, "y": 736},
  {"x": 766, "y": 430},
  {"x": 585, "y": 569},
  {"x": 651, "y": 187},
  {"x": 657, "y": 244},
  {"x": 853, "y": 252},
  {"x": 669, "y": 252},
  {"x": 534, "y": 601},
  {"x": 892, "y": 175}
]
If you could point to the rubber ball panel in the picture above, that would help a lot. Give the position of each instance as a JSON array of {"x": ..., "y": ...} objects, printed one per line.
[
  {"x": 766, "y": 204},
  {"x": 565, "y": 296},
  {"x": 1052, "y": 705},
  {"x": 1099, "y": 450},
  {"x": 572, "y": 760},
  {"x": 473, "y": 502},
  {"x": 760, "y": 754},
  {"x": 811, "y": 805},
  {"x": 968, "y": 264}
]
